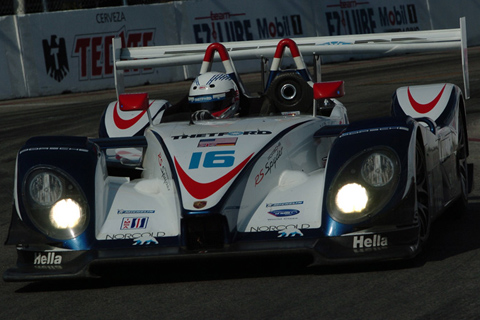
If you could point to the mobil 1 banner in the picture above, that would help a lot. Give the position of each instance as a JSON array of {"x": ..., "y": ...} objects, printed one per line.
[
  {"x": 79, "y": 57},
  {"x": 230, "y": 20},
  {"x": 343, "y": 17}
]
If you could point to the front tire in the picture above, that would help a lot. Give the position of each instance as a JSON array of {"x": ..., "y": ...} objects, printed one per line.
[
  {"x": 422, "y": 212},
  {"x": 462, "y": 167}
]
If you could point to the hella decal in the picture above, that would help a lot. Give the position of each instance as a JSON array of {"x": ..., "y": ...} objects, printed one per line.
[
  {"x": 374, "y": 241},
  {"x": 47, "y": 259},
  {"x": 284, "y": 213}
]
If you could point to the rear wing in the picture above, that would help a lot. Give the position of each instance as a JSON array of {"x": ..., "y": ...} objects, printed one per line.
[{"x": 376, "y": 43}]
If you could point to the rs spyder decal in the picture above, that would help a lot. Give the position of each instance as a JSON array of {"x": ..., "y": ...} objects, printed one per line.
[{"x": 200, "y": 190}]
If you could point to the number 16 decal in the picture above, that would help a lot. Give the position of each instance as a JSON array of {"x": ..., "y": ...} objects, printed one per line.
[{"x": 212, "y": 159}]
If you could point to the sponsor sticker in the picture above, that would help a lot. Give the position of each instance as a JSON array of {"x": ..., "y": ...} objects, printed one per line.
[
  {"x": 123, "y": 211},
  {"x": 134, "y": 223},
  {"x": 281, "y": 204},
  {"x": 217, "y": 142},
  {"x": 47, "y": 258},
  {"x": 369, "y": 241},
  {"x": 284, "y": 213}
]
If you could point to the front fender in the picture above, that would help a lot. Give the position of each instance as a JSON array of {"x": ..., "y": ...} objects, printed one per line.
[
  {"x": 394, "y": 134},
  {"x": 76, "y": 157}
]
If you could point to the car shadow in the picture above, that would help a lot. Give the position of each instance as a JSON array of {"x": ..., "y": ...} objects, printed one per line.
[{"x": 450, "y": 235}]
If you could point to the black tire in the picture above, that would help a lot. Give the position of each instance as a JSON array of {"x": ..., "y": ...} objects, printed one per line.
[
  {"x": 290, "y": 92},
  {"x": 460, "y": 205},
  {"x": 421, "y": 190}
]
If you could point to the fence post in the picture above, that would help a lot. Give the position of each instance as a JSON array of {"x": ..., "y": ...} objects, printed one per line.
[{"x": 19, "y": 6}]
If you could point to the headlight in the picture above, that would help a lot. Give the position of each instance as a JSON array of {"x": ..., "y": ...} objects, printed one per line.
[
  {"x": 363, "y": 186},
  {"x": 65, "y": 214},
  {"x": 55, "y": 204},
  {"x": 45, "y": 188},
  {"x": 378, "y": 169},
  {"x": 351, "y": 198}
]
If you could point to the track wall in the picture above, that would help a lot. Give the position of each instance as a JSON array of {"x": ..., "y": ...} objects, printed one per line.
[{"x": 70, "y": 51}]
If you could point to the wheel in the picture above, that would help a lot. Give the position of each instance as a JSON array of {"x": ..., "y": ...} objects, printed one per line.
[
  {"x": 462, "y": 167},
  {"x": 290, "y": 92},
  {"x": 421, "y": 190}
]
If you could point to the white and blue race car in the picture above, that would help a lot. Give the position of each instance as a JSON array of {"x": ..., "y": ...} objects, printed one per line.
[{"x": 287, "y": 173}]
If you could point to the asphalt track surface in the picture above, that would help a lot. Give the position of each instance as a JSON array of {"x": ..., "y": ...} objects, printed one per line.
[{"x": 441, "y": 283}]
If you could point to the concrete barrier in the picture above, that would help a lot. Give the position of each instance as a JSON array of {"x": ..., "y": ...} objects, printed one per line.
[{"x": 70, "y": 51}]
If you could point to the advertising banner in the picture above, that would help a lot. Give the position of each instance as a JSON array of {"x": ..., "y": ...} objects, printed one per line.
[
  {"x": 343, "y": 17},
  {"x": 231, "y": 20},
  {"x": 71, "y": 51}
]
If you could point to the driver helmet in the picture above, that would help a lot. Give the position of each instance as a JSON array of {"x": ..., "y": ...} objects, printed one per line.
[{"x": 216, "y": 93}]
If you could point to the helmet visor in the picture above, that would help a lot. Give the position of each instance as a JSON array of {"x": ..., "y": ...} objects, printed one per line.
[{"x": 213, "y": 102}]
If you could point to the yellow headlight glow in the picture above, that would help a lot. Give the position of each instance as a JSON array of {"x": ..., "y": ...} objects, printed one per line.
[
  {"x": 66, "y": 214},
  {"x": 351, "y": 198}
]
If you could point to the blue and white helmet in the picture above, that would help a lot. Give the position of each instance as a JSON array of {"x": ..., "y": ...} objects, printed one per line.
[{"x": 216, "y": 93}]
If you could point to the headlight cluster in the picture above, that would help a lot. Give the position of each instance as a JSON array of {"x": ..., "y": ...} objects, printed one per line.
[
  {"x": 55, "y": 204},
  {"x": 363, "y": 185}
]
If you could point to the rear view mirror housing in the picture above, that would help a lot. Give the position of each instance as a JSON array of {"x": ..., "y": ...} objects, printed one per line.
[{"x": 327, "y": 90}]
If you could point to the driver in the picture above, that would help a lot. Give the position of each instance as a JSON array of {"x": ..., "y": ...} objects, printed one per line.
[{"x": 213, "y": 95}]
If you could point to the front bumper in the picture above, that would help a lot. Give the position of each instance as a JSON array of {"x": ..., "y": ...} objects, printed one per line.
[{"x": 52, "y": 263}]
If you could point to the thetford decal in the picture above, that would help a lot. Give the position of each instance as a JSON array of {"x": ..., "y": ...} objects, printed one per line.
[
  {"x": 360, "y": 17},
  {"x": 221, "y": 134},
  {"x": 236, "y": 26},
  {"x": 55, "y": 55},
  {"x": 201, "y": 190},
  {"x": 94, "y": 51},
  {"x": 424, "y": 107}
]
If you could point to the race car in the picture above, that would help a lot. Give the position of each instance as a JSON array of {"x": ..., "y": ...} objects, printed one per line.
[{"x": 224, "y": 173}]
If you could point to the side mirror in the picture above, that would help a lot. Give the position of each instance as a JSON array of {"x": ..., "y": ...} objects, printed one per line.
[
  {"x": 326, "y": 90},
  {"x": 133, "y": 101}
]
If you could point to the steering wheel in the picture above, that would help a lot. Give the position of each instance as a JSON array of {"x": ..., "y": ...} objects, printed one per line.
[{"x": 290, "y": 92}]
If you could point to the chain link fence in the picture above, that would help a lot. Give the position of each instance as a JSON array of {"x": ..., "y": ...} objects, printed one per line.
[{"x": 11, "y": 7}]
